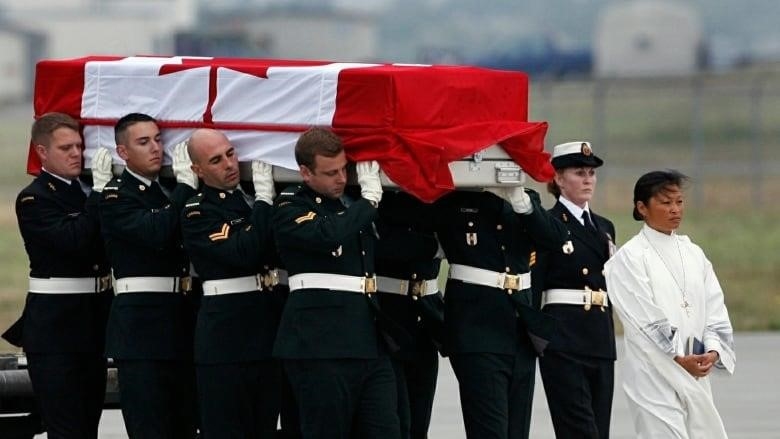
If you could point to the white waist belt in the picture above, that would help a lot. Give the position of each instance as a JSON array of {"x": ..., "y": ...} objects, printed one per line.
[
  {"x": 152, "y": 284},
  {"x": 585, "y": 297},
  {"x": 69, "y": 285},
  {"x": 488, "y": 278},
  {"x": 329, "y": 281},
  {"x": 244, "y": 284},
  {"x": 403, "y": 287}
]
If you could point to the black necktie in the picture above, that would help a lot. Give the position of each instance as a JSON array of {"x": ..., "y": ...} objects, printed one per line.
[
  {"x": 588, "y": 223},
  {"x": 75, "y": 189}
]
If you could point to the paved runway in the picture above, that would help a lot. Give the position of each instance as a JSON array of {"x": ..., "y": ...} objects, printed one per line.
[{"x": 748, "y": 401}]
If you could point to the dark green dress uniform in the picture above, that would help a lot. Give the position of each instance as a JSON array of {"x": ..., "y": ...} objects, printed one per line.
[
  {"x": 328, "y": 338},
  {"x": 63, "y": 331},
  {"x": 149, "y": 331},
  {"x": 487, "y": 327},
  {"x": 406, "y": 258},
  {"x": 578, "y": 366},
  {"x": 238, "y": 382}
]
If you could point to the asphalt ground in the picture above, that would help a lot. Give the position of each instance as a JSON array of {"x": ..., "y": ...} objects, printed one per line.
[{"x": 748, "y": 401}]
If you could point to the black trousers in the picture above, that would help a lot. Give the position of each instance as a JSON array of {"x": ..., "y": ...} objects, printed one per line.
[
  {"x": 496, "y": 393},
  {"x": 345, "y": 398},
  {"x": 157, "y": 398},
  {"x": 416, "y": 385},
  {"x": 289, "y": 419},
  {"x": 70, "y": 389},
  {"x": 239, "y": 400},
  {"x": 579, "y": 393}
]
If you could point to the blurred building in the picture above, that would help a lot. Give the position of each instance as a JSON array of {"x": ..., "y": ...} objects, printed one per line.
[{"x": 648, "y": 38}]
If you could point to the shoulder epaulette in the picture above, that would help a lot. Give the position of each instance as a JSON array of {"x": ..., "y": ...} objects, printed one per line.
[
  {"x": 114, "y": 184},
  {"x": 291, "y": 190}
]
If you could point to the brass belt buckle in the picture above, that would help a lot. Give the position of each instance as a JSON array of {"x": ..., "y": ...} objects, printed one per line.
[
  {"x": 417, "y": 288},
  {"x": 103, "y": 283},
  {"x": 369, "y": 285},
  {"x": 185, "y": 284},
  {"x": 270, "y": 279},
  {"x": 599, "y": 298},
  {"x": 588, "y": 298},
  {"x": 511, "y": 282}
]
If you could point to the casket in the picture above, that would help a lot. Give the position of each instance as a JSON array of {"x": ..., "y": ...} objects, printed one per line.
[{"x": 431, "y": 128}]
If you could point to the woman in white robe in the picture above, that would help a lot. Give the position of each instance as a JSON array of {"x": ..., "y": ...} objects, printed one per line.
[{"x": 676, "y": 326}]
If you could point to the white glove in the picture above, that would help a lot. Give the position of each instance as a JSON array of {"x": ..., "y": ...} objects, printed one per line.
[
  {"x": 263, "y": 181},
  {"x": 182, "y": 166},
  {"x": 101, "y": 169},
  {"x": 516, "y": 196},
  {"x": 368, "y": 179}
]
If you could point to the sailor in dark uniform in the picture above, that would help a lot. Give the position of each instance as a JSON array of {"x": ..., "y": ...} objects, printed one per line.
[
  {"x": 568, "y": 283},
  {"x": 492, "y": 332},
  {"x": 62, "y": 329},
  {"x": 407, "y": 267},
  {"x": 238, "y": 383},
  {"x": 339, "y": 370},
  {"x": 150, "y": 326}
]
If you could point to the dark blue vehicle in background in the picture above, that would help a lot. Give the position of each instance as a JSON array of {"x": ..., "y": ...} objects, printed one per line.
[{"x": 540, "y": 56}]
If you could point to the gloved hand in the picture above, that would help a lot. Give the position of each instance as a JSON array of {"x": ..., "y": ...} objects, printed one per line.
[
  {"x": 101, "y": 169},
  {"x": 263, "y": 181},
  {"x": 516, "y": 196},
  {"x": 182, "y": 166},
  {"x": 368, "y": 179}
]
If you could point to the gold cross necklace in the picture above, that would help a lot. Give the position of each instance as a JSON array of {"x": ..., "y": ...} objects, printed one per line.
[{"x": 685, "y": 305}]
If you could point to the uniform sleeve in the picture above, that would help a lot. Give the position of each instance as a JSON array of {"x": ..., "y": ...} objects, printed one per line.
[
  {"x": 718, "y": 333},
  {"x": 546, "y": 231},
  {"x": 632, "y": 297},
  {"x": 123, "y": 215},
  {"x": 296, "y": 224},
  {"x": 208, "y": 235},
  {"x": 44, "y": 222}
]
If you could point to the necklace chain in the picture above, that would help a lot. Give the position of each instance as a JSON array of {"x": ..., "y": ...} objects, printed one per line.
[{"x": 685, "y": 305}]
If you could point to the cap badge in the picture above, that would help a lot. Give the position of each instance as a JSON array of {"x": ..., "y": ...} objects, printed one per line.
[{"x": 585, "y": 149}]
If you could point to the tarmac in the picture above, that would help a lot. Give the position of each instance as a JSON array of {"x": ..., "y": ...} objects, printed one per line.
[{"x": 748, "y": 401}]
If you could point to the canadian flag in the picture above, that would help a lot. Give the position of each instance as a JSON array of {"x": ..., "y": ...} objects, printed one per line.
[{"x": 412, "y": 119}]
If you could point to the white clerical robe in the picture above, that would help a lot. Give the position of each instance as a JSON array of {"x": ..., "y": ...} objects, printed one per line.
[{"x": 665, "y": 291}]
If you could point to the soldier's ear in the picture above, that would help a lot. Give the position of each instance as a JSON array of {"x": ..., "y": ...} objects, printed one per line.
[
  {"x": 42, "y": 151},
  {"x": 121, "y": 151},
  {"x": 305, "y": 172}
]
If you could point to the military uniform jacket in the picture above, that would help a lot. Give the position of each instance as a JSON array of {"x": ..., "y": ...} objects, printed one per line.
[
  {"x": 481, "y": 230},
  {"x": 61, "y": 233},
  {"x": 589, "y": 333},
  {"x": 141, "y": 229},
  {"x": 316, "y": 234},
  {"x": 225, "y": 238},
  {"x": 407, "y": 250}
]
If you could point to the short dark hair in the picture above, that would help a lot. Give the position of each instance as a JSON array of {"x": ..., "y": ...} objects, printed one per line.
[
  {"x": 121, "y": 126},
  {"x": 316, "y": 141},
  {"x": 653, "y": 183},
  {"x": 42, "y": 129}
]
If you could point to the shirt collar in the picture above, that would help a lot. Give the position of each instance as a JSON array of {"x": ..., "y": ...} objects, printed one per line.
[
  {"x": 62, "y": 179},
  {"x": 143, "y": 179},
  {"x": 574, "y": 209}
]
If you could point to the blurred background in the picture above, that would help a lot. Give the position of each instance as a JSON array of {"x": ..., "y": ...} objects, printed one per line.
[{"x": 687, "y": 84}]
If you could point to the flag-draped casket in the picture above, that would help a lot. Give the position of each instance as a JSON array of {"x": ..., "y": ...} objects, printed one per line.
[{"x": 413, "y": 119}]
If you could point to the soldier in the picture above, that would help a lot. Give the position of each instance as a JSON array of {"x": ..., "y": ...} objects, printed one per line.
[
  {"x": 63, "y": 323},
  {"x": 491, "y": 330},
  {"x": 238, "y": 383},
  {"x": 407, "y": 266},
  {"x": 149, "y": 330},
  {"x": 340, "y": 374},
  {"x": 568, "y": 282}
]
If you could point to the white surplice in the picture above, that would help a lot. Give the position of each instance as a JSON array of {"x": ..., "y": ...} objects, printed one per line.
[{"x": 649, "y": 295}]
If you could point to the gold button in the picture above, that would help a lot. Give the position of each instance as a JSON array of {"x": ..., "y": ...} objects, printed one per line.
[
  {"x": 141, "y": 187},
  {"x": 471, "y": 224},
  {"x": 499, "y": 227},
  {"x": 96, "y": 267},
  {"x": 503, "y": 247},
  {"x": 509, "y": 292},
  {"x": 507, "y": 269},
  {"x": 363, "y": 252},
  {"x": 414, "y": 275},
  {"x": 222, "y": 195},
  {"x": 415, "y": 298},
  {"x": 317, "y": 200},
  {"x": 366, "y": 274},
  {"x": 584, "y": 271},
  {"x": 184, "y": 270},
  {"x": 419, "y": 319},
  {"x": 603, "y": 273}
]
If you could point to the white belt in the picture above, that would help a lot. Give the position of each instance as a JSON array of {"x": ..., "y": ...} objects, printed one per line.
[
  {"x": 69, "y": 285},
  {"x": 403, "y": 287},
  {"x": 151, "y": 284},
  {"x": 233, "y": 285},
  {"x": 329, "y": 281},
  {"x": 488, "y": 278},
  {"x": 585, "y": 298}
]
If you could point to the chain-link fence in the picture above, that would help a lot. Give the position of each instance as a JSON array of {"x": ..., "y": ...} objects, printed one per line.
[{"x": 721, "y": 130}]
